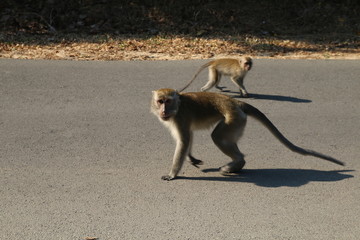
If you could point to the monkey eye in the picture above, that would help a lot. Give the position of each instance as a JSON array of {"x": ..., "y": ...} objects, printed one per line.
[{"x": 166, "y": 101}]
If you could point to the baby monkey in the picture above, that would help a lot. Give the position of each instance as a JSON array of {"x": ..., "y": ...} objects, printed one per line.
[
  {"x": 236, "y": 68},
  {"x": 183, "y": 113}
]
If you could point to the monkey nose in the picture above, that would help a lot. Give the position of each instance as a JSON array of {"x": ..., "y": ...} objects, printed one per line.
[{"x": 165, "y": 116}]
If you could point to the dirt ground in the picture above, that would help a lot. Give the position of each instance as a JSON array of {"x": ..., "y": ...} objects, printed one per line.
[{"x": 136, "y": 47}]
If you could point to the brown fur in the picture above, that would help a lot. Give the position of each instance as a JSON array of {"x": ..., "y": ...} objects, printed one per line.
[
  {"x": 236, "y": 68},
  {"x": 183, "y": 113}
]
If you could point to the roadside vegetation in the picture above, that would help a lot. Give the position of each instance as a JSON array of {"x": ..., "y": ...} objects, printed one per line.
[{"x": 160, "y": 29}]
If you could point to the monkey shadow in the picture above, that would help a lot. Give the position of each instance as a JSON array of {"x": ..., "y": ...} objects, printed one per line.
[
  {"x": 269, "y": 97},
  {"x": 273, "y": 178},
  {"x": 278, "y": 98}
]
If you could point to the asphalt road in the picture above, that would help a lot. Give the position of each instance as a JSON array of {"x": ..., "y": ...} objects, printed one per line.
[{"x": 81, "y": 156}]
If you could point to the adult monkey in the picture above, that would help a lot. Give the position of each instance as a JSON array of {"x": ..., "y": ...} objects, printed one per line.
[
  {"x": 183, "y": 113},
  {"x": 236, "y": 68}
]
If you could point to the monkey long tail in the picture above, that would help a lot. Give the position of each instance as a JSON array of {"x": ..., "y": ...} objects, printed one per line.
[
  {"x": 196, "y": 74},
  {"x": 254, "y": 112}
]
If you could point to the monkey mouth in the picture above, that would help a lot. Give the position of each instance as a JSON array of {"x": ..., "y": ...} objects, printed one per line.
[{"x": 165, "y": 117}]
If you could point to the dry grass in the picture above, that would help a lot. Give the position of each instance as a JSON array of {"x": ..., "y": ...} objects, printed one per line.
[{"x": 120, "y": 47}]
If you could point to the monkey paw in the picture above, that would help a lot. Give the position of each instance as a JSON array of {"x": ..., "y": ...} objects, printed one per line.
[
  {"x": 220, "y": 88},
  {"x": 244, "y": 95},
  {"x": 167, "y": 178},
  {"x": 195, "y": 162},
  {"x": 232, "y": 167}
]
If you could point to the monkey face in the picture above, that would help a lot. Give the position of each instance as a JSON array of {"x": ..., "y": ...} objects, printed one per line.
[
  {"x": 248, "y": 65},
  {"x": 166, "y": 109},
  {"x": 165, "y": 103}
]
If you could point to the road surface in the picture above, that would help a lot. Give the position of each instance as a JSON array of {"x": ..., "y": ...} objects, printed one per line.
[{"x": 81, "y": 156}]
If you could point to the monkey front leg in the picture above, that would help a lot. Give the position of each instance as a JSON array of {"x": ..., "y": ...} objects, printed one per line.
[
  {"x": 218, "y": 77},
  {"x": 194, "y": 161},
  {"x": 181, "y": 150},
  {"x": 240, "y": 83}
]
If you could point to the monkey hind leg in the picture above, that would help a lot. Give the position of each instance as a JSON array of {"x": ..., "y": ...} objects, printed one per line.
[
  {"x": 218, "y": 77},
  {"x": 213, "y": 76},
  {"x": 238, "y": 161},
  {"x": 225, "y": 137},
  {"x": 232, "y": 167}
]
